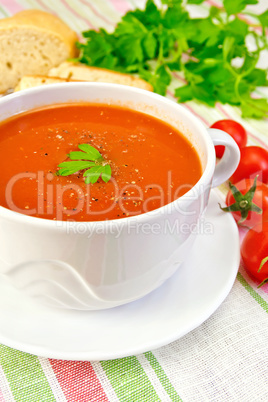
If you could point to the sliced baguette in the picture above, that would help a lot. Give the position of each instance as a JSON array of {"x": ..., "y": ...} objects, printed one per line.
[
  {"x": 78, "y": 71},
  {"x": 30, "y": 81},
  {"x": 32, "y": 42}
]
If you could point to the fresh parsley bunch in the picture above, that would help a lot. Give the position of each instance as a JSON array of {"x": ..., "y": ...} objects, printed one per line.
[{"x": 155, "y": 42}]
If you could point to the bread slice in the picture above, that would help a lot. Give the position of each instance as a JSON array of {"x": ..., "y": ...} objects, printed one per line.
[
  {"x": 30, "y": 81},
  {"x": 32, "y": 42},
  {"x": 81, "y": 72}
]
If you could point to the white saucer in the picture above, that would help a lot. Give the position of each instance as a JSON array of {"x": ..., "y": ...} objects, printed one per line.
[{"x": 184, "y": 302}]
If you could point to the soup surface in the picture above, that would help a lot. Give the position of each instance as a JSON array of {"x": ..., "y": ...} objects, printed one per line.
[{"x": 152, "y": 163}]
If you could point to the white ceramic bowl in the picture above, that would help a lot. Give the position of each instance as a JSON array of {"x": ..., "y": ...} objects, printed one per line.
[{"x": 96, "y": 265}]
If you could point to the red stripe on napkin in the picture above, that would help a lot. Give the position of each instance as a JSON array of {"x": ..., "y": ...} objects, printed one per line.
[
  {"x": 76, "y": 14},
  {"x": 1, "y": 397},
  {"x": 11, "y": 6},
  {"x": 121, "y": 6},
  {"x": 78, "y": 381}
]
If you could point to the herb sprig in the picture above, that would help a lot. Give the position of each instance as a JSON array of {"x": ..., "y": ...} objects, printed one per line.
[
  {"x": 155, "y": 42},
  {"x": 88, "y": 158}
]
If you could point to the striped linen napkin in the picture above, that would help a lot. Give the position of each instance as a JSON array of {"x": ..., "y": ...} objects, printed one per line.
[{"x": 225, "y": 359}]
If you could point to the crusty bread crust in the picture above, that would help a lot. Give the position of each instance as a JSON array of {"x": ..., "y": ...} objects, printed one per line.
[
  {"x": 79, "y": 71},
  {"x": 30, "y": 81},
  {"x": 43, "y": 21}
]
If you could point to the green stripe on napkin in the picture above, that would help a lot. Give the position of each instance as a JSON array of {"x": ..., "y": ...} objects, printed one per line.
[
  {"x": 3, "y": 11},
  {"x": 252, "y": 292},
  {"x": 25, "y": 376},
  {"x": 166, "y": 384},
  {"x": 129, "y": 380}
]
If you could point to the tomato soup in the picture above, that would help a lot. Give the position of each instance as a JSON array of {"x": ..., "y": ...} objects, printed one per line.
[{"x": 152, "y": 163}]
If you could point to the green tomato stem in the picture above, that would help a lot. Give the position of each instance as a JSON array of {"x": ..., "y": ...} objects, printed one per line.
[{"x": 263, "y": 261}]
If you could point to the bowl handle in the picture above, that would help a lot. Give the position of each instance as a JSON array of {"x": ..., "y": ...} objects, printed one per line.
[{"x": 231, "y": 157}]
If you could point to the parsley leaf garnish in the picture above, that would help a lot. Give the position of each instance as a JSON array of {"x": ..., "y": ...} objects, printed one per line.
[
  {"x": 88, "y": 158},
  {"x": 157, "y": 41}
]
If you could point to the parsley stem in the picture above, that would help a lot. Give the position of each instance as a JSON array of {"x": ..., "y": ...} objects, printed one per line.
[
  {"x": 236, "y": 88},
  {"x": 160, "y": 55},
  {"x": 250, "y": 14},
  {"x": 140, "y": 24}
]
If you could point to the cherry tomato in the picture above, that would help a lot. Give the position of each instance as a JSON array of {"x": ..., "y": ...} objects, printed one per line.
[
  {"x": 253, "y": 161},
  {"x": 254, "y": 249},
  {"x": 260, "y": 199},
  {"x": 235, "y": 130}
]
